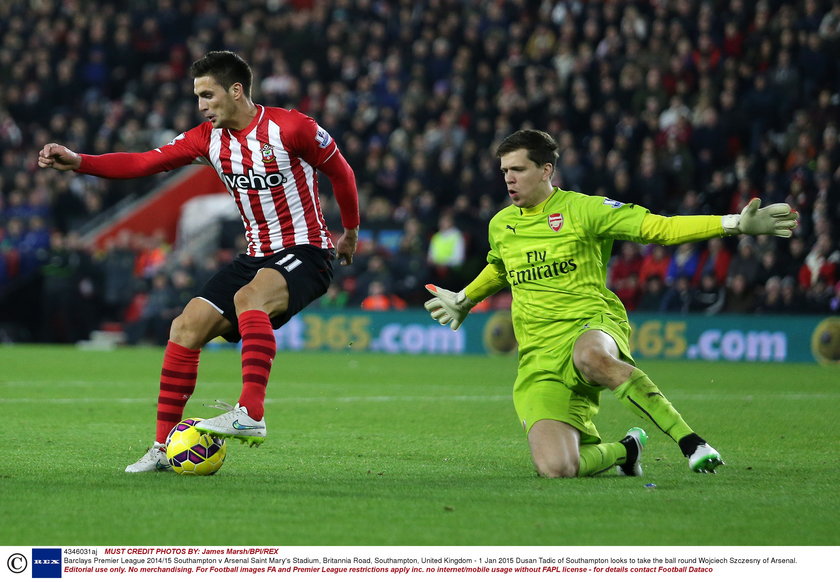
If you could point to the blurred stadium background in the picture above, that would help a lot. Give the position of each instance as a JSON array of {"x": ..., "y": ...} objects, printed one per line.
[{"x": 683, "y": 106}]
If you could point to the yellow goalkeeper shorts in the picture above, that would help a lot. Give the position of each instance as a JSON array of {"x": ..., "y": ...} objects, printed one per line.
[{"x": 549, "y": 387}]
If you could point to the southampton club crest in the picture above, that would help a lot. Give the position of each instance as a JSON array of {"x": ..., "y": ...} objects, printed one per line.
[
  {"x": 555, "y": 221},
  {"x": 267, "y": 153}
]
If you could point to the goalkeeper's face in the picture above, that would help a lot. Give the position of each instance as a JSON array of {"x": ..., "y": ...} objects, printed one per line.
[{"x": 528, "y": 184}]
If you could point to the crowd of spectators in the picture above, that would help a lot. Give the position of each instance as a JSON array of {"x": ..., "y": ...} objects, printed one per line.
[{"x": 685, "y": 107}]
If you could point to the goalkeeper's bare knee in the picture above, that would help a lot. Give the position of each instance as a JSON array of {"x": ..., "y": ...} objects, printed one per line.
[{"x": 596, "y": 357}]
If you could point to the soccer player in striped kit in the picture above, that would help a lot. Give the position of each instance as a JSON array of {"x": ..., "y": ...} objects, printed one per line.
[{"x": 267, "y": 158}]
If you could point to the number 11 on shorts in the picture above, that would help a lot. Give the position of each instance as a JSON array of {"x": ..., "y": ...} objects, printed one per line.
[{"x": 292, "y": 264}]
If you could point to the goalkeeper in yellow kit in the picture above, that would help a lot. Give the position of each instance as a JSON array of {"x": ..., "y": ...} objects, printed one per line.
[{"x": 551, "y": 248}]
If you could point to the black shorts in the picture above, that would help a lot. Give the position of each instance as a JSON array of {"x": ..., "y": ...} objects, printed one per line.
[{"x": 307, "y": 269}]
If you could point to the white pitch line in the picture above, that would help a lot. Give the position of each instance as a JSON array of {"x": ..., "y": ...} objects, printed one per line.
[
  {"x": 280, "y": 385},
  {"x": 409, "y": 398},
  {"x": 282, "y": 400}
]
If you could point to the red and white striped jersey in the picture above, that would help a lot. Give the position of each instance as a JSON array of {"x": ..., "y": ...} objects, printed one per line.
[{"x": 269, "y": 168}]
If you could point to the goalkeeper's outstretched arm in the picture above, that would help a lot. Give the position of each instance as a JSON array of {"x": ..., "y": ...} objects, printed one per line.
[{"x": 775, "y": 219}]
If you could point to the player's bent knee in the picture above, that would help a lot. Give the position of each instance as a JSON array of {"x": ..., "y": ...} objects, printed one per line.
[
  {"x": 590, "y": 361},
  {"x": 244, "y": 299},
  {"x": 596, "y": 357},
  {"x": 599, "y": 366},
  {"x": 556, "y": 466},
  {"x": 557, "y": 470},
  {"x": 196, "y": 325},
  {"x": 183, "y": 333},
  {"x": 248, "y": 298}
]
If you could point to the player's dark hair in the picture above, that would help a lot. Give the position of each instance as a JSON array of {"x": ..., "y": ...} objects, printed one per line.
[
  {"x": 541, "y": 147},
  {"x": 226, "y": 68}
]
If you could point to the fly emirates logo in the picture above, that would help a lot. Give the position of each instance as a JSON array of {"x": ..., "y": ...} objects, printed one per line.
[
  {"x": 252, "y": 181},
  {"x": 540, "y": 268}
]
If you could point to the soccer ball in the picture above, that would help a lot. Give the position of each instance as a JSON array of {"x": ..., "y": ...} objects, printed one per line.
[
  {"x": 825, "y": 341},
  {"x": 193, "y": 453}
]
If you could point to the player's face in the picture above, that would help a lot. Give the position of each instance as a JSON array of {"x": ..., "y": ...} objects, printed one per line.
[
  {"x": 527, "y": 183},
  {"x": 214, "y": 103}
]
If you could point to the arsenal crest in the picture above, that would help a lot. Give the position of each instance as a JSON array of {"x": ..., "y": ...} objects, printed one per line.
[
  {"x": 267, "y": 153},
  {"x": 555, "y": 221}
]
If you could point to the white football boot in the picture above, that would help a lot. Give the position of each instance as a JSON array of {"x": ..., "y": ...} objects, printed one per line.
[
  {"x": 154, "y": 460},
  {"x": 704, "y": 459},
  {"x": 235, "y": 423},
  {"x": 632, "y": 467}
]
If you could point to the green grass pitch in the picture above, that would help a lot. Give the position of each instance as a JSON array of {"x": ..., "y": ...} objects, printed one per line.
[{"x": 369, "y": 449}]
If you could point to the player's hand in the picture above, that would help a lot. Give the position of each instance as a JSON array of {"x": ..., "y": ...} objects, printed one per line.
[
  {"x": 58, "y": 157},
  {"x": 776, "y": 219},
  {"x": 345, "y": 248},
  {"x": 448, "y": 307}
]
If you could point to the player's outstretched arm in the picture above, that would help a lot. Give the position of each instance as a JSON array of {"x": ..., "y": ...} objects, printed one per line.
[
  {"x": 58, "y": 157},
  {"x": 776, "y": 219}
]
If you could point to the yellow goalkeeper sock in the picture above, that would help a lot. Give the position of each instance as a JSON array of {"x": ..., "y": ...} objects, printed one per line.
[
  {"x": 643, "y": 397},
  {"x": 596, "y": 459}
]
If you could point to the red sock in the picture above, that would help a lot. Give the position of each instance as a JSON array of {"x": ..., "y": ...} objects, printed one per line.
[
  {"x": 177, "y": 382},
  {"x": 258, "y": 349}
]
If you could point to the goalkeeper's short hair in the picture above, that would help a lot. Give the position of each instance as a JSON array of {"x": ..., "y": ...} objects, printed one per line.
[{"x": 541, "y": 147}]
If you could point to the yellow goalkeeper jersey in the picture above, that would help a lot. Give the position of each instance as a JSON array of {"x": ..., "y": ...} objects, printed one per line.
[{"x": 554, "y": 256}]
